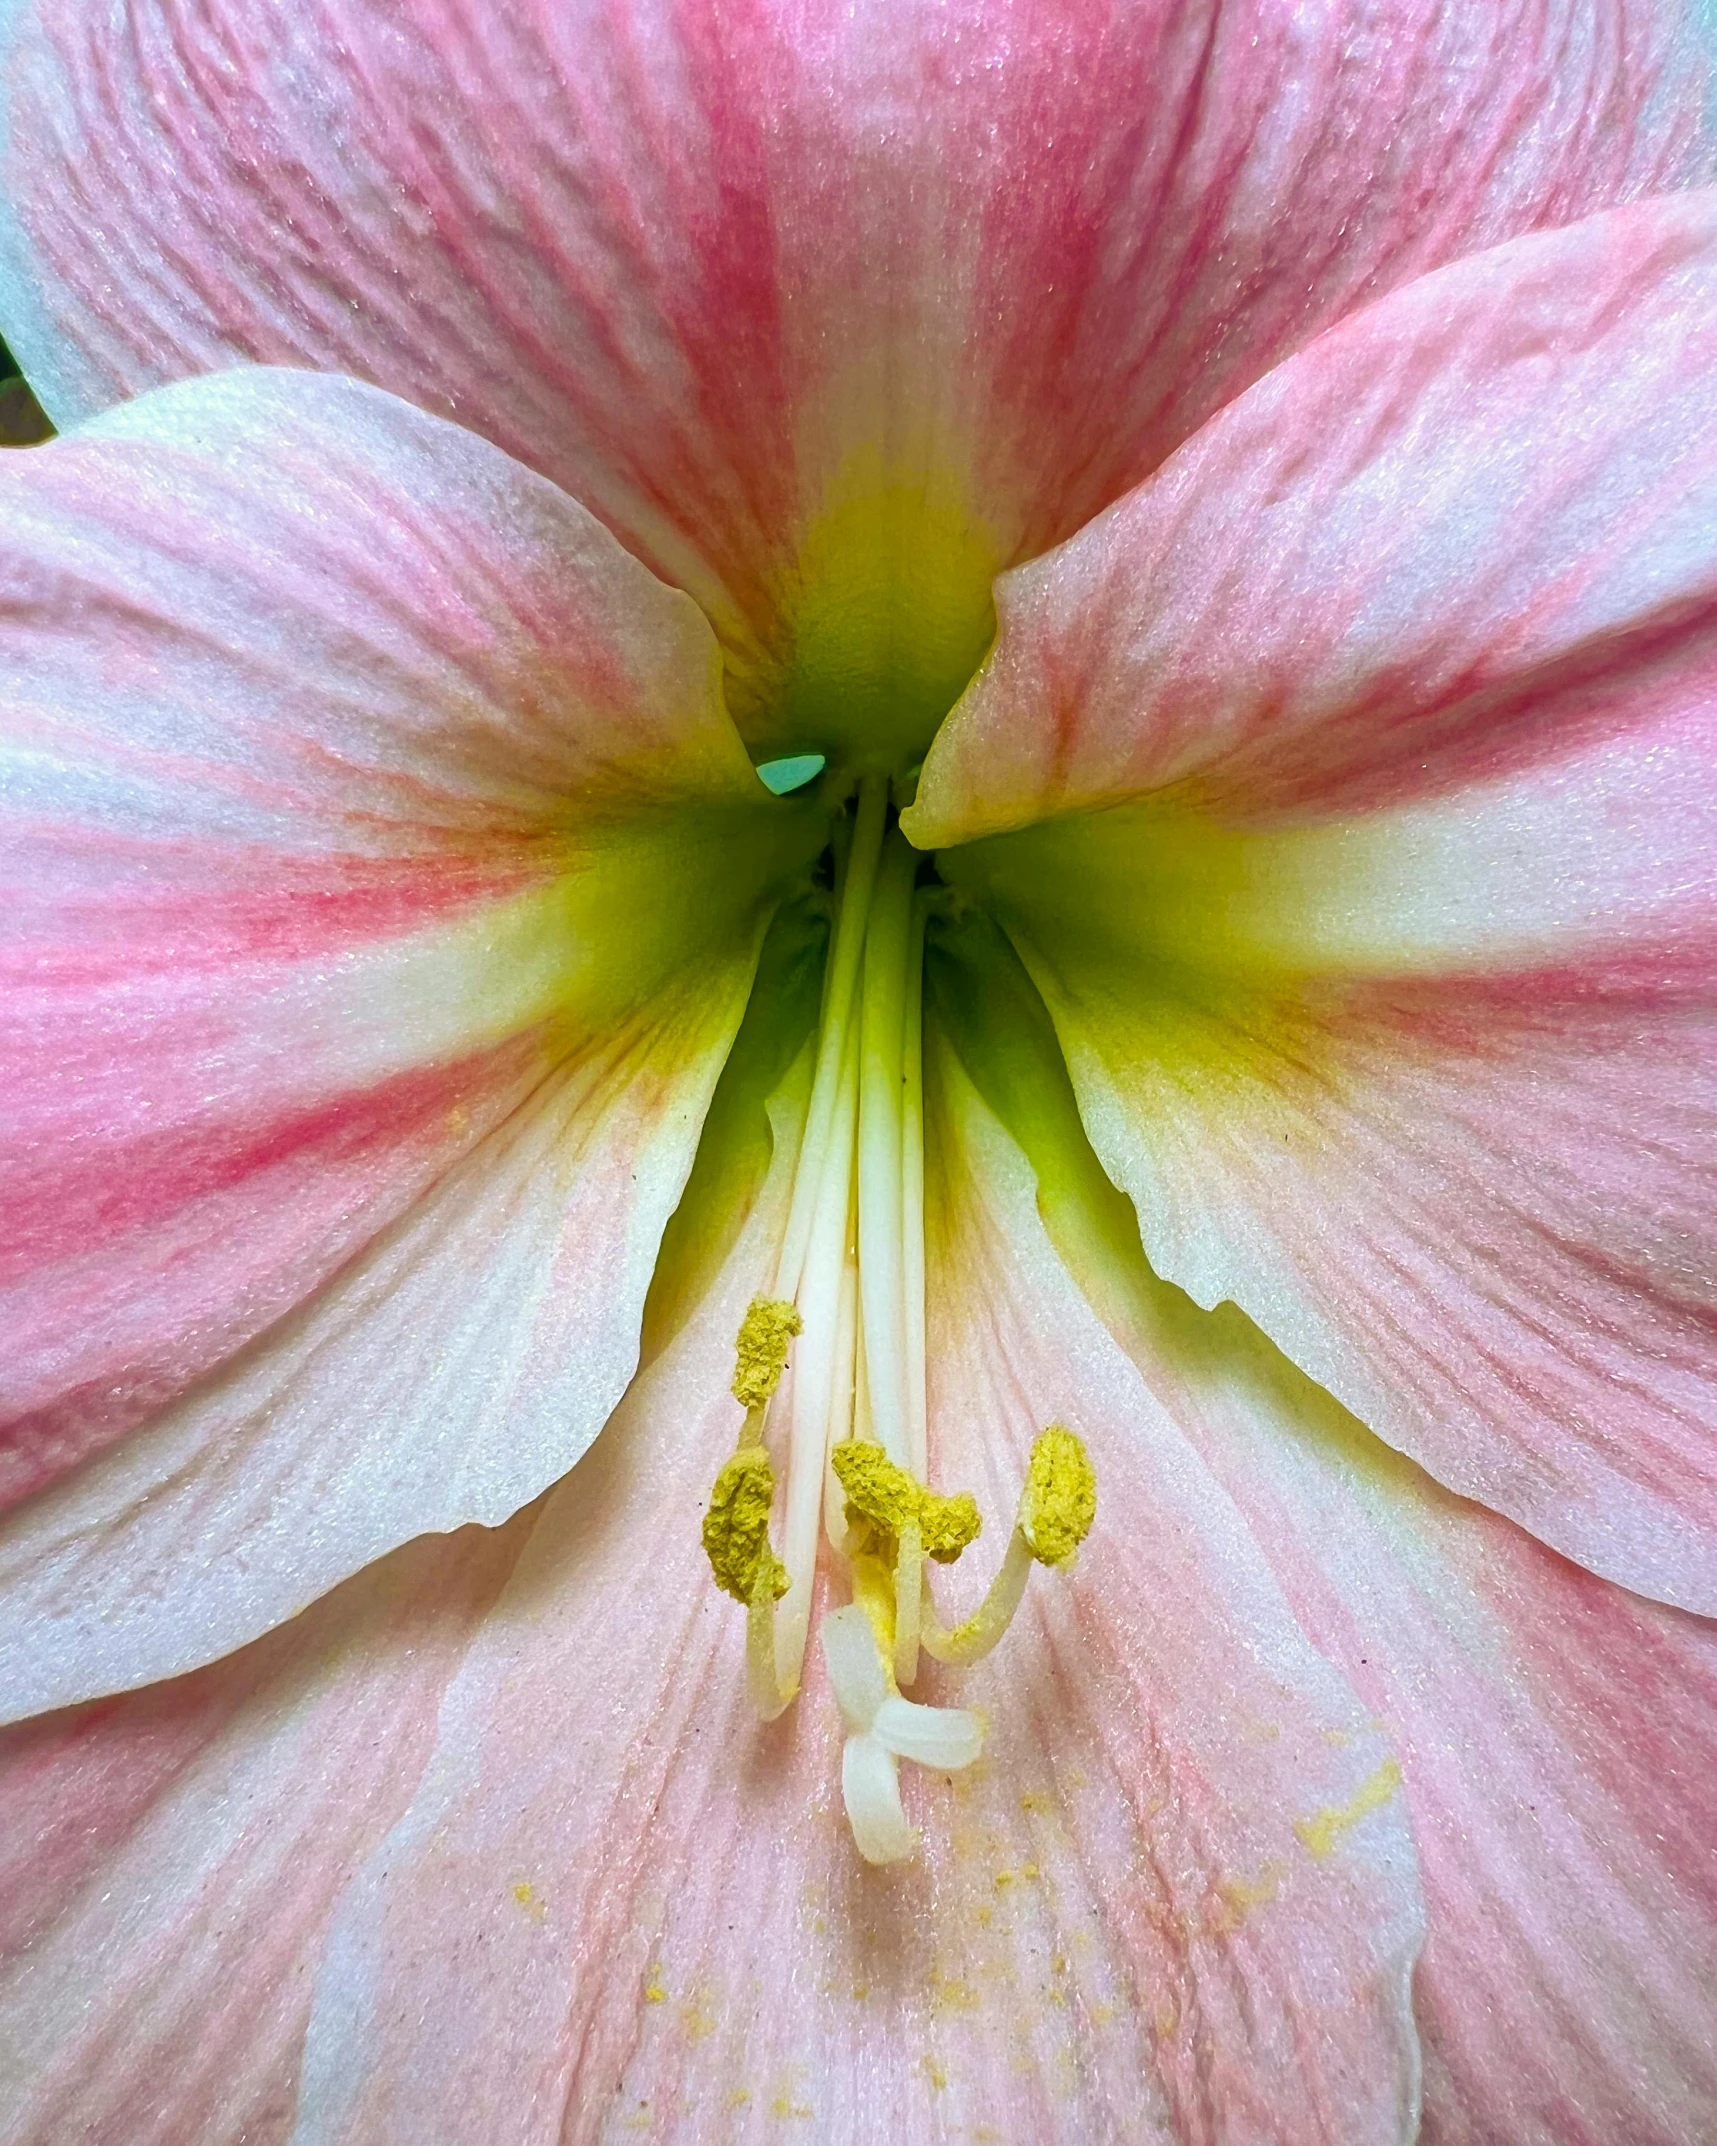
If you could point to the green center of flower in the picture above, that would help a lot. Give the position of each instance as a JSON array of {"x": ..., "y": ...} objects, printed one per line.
[
  {"x": 848, "y": 1306},
  {"x": 882, "y": 609}
]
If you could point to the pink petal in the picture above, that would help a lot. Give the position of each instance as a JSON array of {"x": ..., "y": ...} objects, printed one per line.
[
  {"x": 1468, "y": 529},
  {"x": 1115, "y": 1928},
  {"x": 1427, "y": 1089},
  {"x": 1556, "y": 1733},
  {"x": 955, "y": 276},
  {"x": 169, "y": 1861},
  {"x": 1559, "y": 1743},
  {"x": 375, "y": 835}
]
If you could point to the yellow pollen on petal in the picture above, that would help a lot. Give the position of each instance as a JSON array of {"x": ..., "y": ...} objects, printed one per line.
[
  {"x": 760, "y": 1352},
  {"x": 1059, "y": 1502},
  {"x": 1323, "y": 1831},
  {"x": 888, "y": 1497},
  {"x": 736, "y": 1527}
]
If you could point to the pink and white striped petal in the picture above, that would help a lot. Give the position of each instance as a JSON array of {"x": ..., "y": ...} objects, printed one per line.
[
  {"x": 827, "y": 314},
  {"x": 1467, "y": 531},
  {"x": 1114, "y": 1923},
  {"x": 170, "y": 1860},
  {"x": 1389, "y": 980},
  {"x": 1555, "y": 1732},
  {"x": 1558, "y": 1738},
  {"x": 374, "y": 835}
]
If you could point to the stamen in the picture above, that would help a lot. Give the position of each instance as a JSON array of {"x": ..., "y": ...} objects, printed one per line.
[
  {"x": 908, "y": 1601},
  {"x": 1056, "y": 1509},
  {"x": 905, "y": 1520},
  {"x": 912, "y": 1194},
  {"x": 844, "y": 1400},
  {"x": 736, "y": 1525},
  {"x": 850, "y": 1292},
  {"x": 760, "y": 1353},
  {"x": 971, "y": 1641},
  {"x": 1059, "y": 1501},
  {"x": 814, "y": 1373},
  {"x": 843, "y": 973},
  {"x": 889, "y": 1499},
  {"x": 880, "y": 1135},
  {"x": 770, "y": 1693},
  {"x": 736, "y": 1528}
]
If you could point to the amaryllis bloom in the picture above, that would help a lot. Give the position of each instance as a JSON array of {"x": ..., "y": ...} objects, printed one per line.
[{"x": 1205, "y": 517}]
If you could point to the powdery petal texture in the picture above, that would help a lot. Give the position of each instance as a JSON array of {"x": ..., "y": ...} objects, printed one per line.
[
  {"x": 171, "y": 1859},
  {"x": 1426, "y": 1088},
  {"x": 828, "y": 314},
  {"x": 1555, "y": 1731},
  {"x": 1469, "y": 529},
  {"x": 1114, "y": 1931},
  {"x": 1558, "y": 1738},
  {"x": 383, "y": 881}
]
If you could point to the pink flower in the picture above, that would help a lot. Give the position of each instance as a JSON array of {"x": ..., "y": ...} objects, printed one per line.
[{"x": 414, "y": 1008}]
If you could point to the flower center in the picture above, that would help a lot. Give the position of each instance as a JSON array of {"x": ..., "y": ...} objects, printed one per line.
[{"x": 848, "y": 1304}]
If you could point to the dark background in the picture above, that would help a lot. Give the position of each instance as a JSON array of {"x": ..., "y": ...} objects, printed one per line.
[{"x": 22, "y": 423}]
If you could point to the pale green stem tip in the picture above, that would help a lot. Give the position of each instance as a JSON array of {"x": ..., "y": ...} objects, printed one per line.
[{"x": 785, "y": 776}]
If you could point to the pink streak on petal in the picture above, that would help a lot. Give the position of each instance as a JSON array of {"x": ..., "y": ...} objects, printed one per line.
[
  {"x": 1559, "y": 1741},
  {"x": 362, "y": 798},
  {"x": 1466, "y": 530},
  {"x": 469, "y": 1354},
  {"x": 169, "y": 1861},
  {"x": 1445, "y": 1131},
  {"x": 1388, "y": 983},
  {"x": 224, "y": 1229},
  {"x": 684, "y": 258}
]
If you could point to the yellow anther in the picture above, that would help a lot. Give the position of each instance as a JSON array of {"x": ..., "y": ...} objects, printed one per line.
[
  {"x": 760, "y": 1353},
  {"x": 947, "y": 1525},
  {"x": 1059, "y": 1501},
  {"x": 736, "y": 1527},
  {"x": 876, "y": 1489},
  {"x": 888, "y": 1498}
]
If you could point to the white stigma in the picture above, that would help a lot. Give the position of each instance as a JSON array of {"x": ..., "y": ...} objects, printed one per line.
[{"x": 883, "y": 1728}]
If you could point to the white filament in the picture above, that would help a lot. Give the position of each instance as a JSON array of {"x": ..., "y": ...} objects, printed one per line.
[
  {"x": 842, "y": 980},
  {"x": 815, "y": 1374},
  {"x": 881, "y": 1115},
  {"x": 912, "y": 1198}
]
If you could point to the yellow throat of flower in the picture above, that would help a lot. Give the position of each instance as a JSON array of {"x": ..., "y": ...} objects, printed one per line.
[{"x": 848, "y": 1304}]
